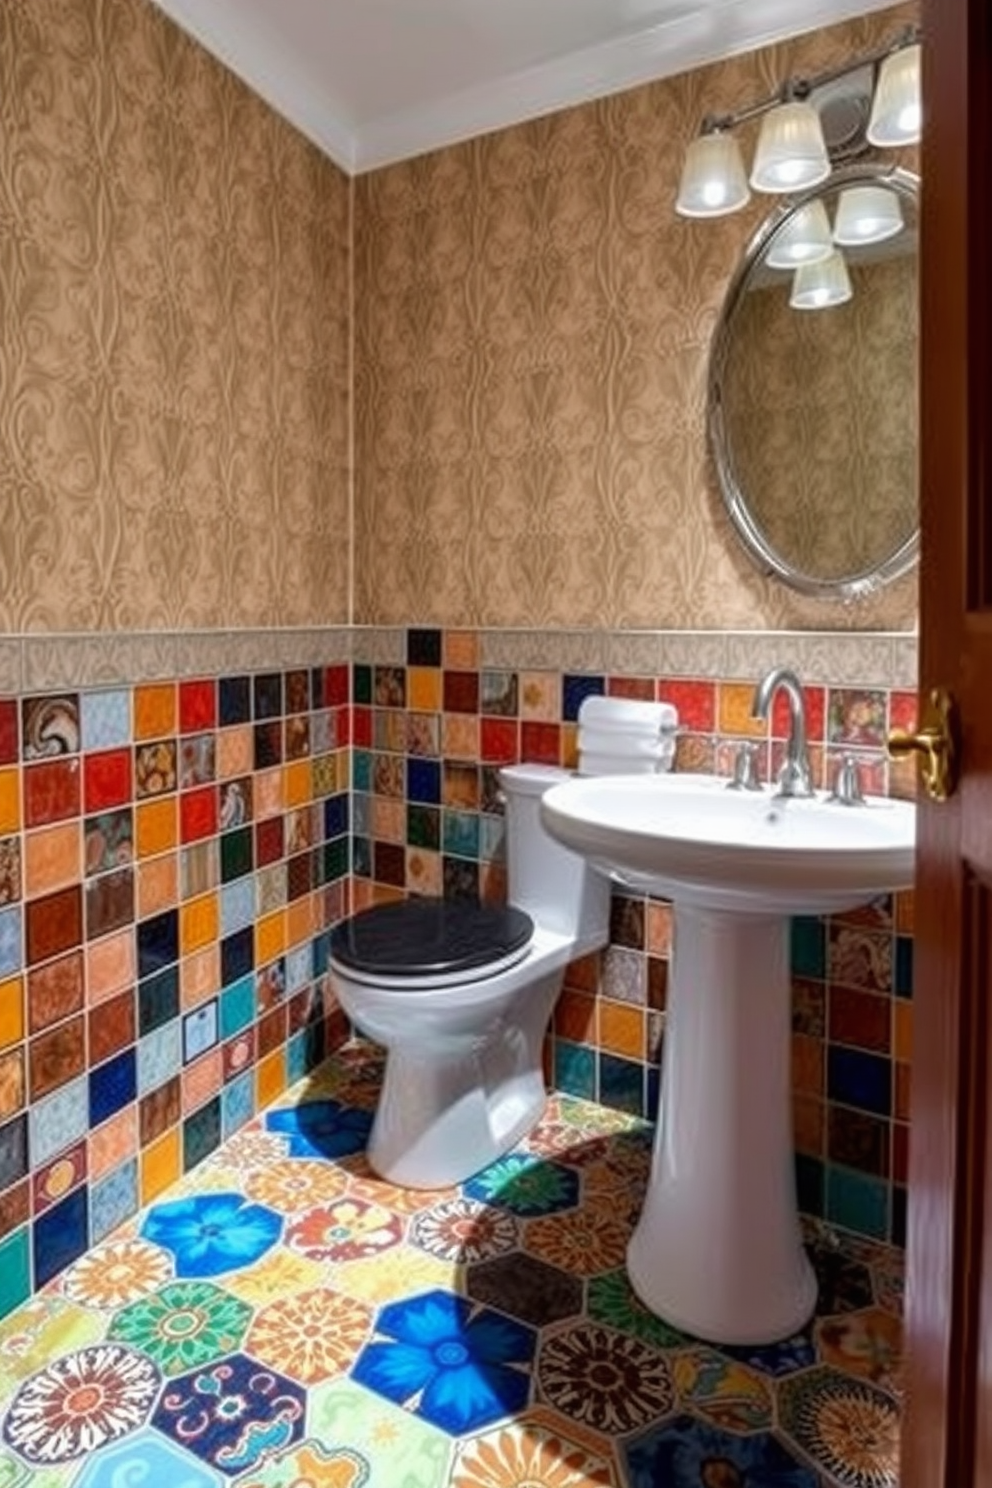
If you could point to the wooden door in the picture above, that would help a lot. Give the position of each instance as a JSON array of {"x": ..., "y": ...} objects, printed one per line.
[{"x": 947, "y": 1433}]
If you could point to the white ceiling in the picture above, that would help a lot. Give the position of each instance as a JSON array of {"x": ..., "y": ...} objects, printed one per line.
[{"x": 374, "y": 81}]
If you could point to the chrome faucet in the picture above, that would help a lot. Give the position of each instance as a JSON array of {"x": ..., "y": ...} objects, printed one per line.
[{"x": 795, "y": 778}]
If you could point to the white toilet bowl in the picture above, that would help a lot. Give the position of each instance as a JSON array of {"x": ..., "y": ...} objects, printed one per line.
[{"x": 460, "y": 995}]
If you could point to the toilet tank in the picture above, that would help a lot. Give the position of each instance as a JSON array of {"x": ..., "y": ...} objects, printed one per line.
[{"x": 556, "y": 887}]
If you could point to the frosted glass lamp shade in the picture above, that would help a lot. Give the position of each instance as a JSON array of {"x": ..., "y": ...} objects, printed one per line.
[
  {"x": 867, "y": 214},
  {"x": 804, "y": 238},
  {"x": 820, "y": 285},
  {"x": 713, "y": 181},
  {"x": 791, "y": 154},
  {"x": 897, "y": 109}
]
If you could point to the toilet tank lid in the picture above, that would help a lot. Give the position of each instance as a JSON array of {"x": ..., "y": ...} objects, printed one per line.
[{"x": 531, "y": 780}]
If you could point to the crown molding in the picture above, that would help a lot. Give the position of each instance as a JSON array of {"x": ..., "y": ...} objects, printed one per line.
[{"x": 687, "y": 40}]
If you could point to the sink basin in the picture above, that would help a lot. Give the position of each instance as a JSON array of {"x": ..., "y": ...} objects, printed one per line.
[
  {"x": 689, "y": 838},
  {"x": 717, "y": 1250}
]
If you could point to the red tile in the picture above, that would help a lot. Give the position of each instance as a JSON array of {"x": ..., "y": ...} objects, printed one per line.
[
  {"x": 816, "y": 710},
  {"x": 903, "y": 708},
  {"x": 272, "y": 1031},
  {"x": 540, "y": 743},
  {"x": 695, "y": 702},
  {"x": 342, "y": 727},
  {"x": 269, "y": 841},
  {"x": 53, "y": 924},
  {"x": 55, "y": 1179},
  {"x": 107, "y": 779},
  {"x": 498, "y": 741},
  {"x": 641, "y": 688},
  {"x": 336, "y": 687},
  {"x": 861, "y": 1019},
  {"x": 361, "y": 726},
  {"x": 57, "y": 1056},
  {"x": 198, "y": 814},
  {"x": 238, "y": 1054},
  {"x": 111, "y": 1027},
  {"x": 8, "y": 731},
  {"x": 197, "y": 706},
  {"x": 51, "y": 792},
  {"x": 15, "y": 1207},
  {"x": 461, "y": 692}
]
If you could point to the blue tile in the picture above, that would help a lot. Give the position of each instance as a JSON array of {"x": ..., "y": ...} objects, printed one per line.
[
  {"x": 201, "y": 1134},
  {"x": 15, "y": 1271},
  {"x": 237, "y": 955},
  {"x": 321, "y": 952},
  {"x": 361, "y": 770},
  {"x": 237, "y": 1006},
  {"x": 675, "y": 1454},
  {"x": 904, "y": 966},
  {"x": 104, "y": 719},
  {"x": 575, "y": 1069},
  {"x": 158, "y": 942},
  {"x": 113, "y": 1200},
  {"x": 146, "y": 1457},
  {"x": 160, "y": 1056},
  {"x": 461, "y": 834},
  {"x": 335, "y": 816},
  {"x": 11, "y": 949},
  {"x": 237, "y": 1104},
  {"x": 423, "y": 781},
  {"x": 361, "y": 814},
  {"x": 574, "y": 689},
  {"x": 13, "y": 1150},
  {"x": 158, "y": 1000},
  {"x": 809, "y": 947},
  {"x": 199, "y": 1031},
  {"x": 58, "y": 1121},
  {"x": 299, "y": 967},
  {"x": 857, "y": 1202},
  {"x": 652, "y": 1097},
  {"x": 237, "y": 905},
  {"x": 60, "y": 1236},
  {"x": 233, "y": 700},
  {"x": 621, "y": 1084},
  {"x": 809, "y": 1185},
  {"x": 361, "y": 683},
  {"x": 297, "y": 1064},
  {"x": 113, "y": 1085},
  {"x": 855, "y": 1078},
  {"x": 361, "y": 857},
  {"x": 268, "y": 695}
]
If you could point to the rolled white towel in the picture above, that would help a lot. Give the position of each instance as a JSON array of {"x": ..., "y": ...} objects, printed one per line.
[
  {"x": 625, "y": 764},
  {"x": 626, "y": 743},
  {"x": 627, "y": 714}
]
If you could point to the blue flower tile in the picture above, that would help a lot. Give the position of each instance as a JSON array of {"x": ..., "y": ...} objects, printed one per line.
[
  {"x": 526, "y": 1185},
  {"x": 321, "y": 1129},
  {"x": 233, "y": 1415},
  {"x": 456, "y": 1366},
  {"x": 212, "y": 1233},
  {"x": 687, "y": 1453}
]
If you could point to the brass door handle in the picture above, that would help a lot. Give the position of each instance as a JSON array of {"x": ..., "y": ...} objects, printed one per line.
[{"x": 935, "y": 742}]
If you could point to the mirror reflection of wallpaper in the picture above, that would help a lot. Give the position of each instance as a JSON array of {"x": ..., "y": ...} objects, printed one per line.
[
  {"x": 174, "y": 303},
  {"x": 822, "y": 413},
  {"x": 532, "y": 333}
]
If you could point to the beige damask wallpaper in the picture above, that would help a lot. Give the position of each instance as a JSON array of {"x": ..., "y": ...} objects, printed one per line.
[
  {"x": 532, "y": 331},
  {"x": 174, "y": 333}
]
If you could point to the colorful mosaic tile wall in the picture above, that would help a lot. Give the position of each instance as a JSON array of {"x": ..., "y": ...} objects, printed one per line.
[
  {"x": 430, "y": 732},
  {"x": 171, "y": 855}
]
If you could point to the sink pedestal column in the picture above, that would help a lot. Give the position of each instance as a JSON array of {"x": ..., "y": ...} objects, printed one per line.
[{"x": 717, "y": 1250}]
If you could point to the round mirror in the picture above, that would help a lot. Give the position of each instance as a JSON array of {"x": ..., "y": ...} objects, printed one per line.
[{"x": 813, "y": 387}]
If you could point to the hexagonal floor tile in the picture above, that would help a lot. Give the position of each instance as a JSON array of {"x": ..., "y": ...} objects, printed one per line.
[
  {"x": 149, "y": 1458},
  {"x": 848, "y": 1427},
  {"x": 776, "y": 1359},
  {"x": 457, "y": 1366},
  {"x": 564, "y": 1143},
  {"x": 348, "y": 1229},
  {"x": 844, "y": 1285},
  {"x": 321, "y": 1128},
  {"x": 79, "y": 1402},
  {"x": 183, "y": 1325},
  {"x": 232, "y": 1415},
  {"x": 112, "y": 1275},
  {"x": 611, "y": 1299},
  {"x": 402, "y": 1448},
  {"x": 534, "y": 1453},
  {"x": 525, "y": 1185},
  {"x": 582, "y": 1243},
  {"x": 867, "y": 1344},
  {"x": 211, "y": 1233},
  {"x": 687, "y": 1453},
  {"x": 311, "y": 1336},
  {"x": 526, "y": 1288},
  {"x": 465, "y": 1230},
  {"x": 724, "y": 1391},
  {"x": 604, "y": 1379},
  {"x": 296, "y": 1184},
  {"x": 311, "y": 1464}
]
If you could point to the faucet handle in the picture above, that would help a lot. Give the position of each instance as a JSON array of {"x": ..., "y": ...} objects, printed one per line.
[
  {"x": 745, "y": 774},
  {"x": 847, "y": 789}
]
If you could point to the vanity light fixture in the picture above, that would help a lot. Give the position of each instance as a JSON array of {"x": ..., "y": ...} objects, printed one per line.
[
  {"x": 805, "y": 238},
  {"x": 866, "y": 214},
  {"x": 817, "y": 286},
  {"x": 792, "y": 154}
]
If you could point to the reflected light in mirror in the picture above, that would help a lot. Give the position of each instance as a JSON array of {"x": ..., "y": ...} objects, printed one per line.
[
  {"x": 713, "y": 180},
  {"x": 867, "y": 214},
  {"x": 818, "y": 286},
  {"x": 805, "y": 238},
  {"x": 791, "y": 153},
  {"x": 897, "y": 111}
]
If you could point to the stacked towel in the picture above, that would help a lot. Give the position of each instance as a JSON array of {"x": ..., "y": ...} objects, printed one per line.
[{"x": 623, "y": 736}]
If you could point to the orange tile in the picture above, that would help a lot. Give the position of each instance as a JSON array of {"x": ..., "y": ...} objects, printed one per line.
[
  {"x": 158, "y": 885},
  {"x": 201, "y": 1080},
  {"x": 905, "y": 912},
  {"x": 301, "y": 922},
  {"x": 423, "y": 689},
  {"x": 621, "y": 1029},
  {"x": 575, "y": 1017},
  {"x": 235, "y": 754},
  {"x": 199, "y": 923},
  {"x": 362, "y": 896},
  {"x": 270, "y": 1078},
  {"x": 296, "y": 785},
  {"x": 461, "y": 650},
  {"x": 267, "y": 793},
  {"x": 155, "y": 827},
  {"x": 110, "y": 966},
  {"x": 161, "y": 1165},
  {"x": 11, "y": 1011},
  {"x": 658, "y": 929},
  {"x": 270, "y": 937},
  {"x": 808, "y": 1124},
  {"x": 570, "y": 746},
  {"x": 807, "y": 1064},
  {"x": 583, "y": 975},
  {"x": 52, "y": 858},
  {"x": 10, "y": 800},
  {"x": 155, "y": 710},
  {"x": 113, "y": 1142},
  {"x": 388, "y": 819},
  {"x": 735, "y": 710},
  {"x": 460, "y": 736},
  {"x": 199, "y": 976},
  {"x": 342, "y": 770},
  {"x": 902, "y": 1032}
]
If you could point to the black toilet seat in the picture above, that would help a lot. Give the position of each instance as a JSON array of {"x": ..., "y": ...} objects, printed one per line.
[{"x": 416, "y": 939}]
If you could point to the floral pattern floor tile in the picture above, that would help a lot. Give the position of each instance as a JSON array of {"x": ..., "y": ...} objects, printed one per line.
[{"x": 285, "y": 1319}]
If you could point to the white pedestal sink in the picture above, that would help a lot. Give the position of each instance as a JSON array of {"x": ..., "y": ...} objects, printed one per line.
[{"x": 717, "y": 1250}]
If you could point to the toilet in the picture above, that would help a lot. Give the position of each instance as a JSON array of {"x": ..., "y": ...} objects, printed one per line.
[{"x": 460, "y": 995}]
